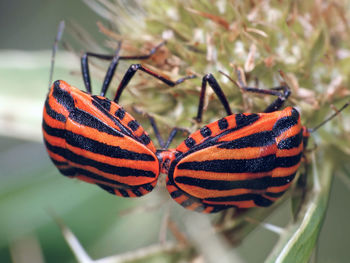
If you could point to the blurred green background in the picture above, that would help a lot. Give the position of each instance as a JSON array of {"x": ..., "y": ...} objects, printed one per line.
[{"x": 31, "y": 189}]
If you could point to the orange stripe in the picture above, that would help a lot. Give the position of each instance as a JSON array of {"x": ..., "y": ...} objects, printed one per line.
[
  {"x": 285, "y": 171},
  {"x": 52, "y": 122},
  {"x": 220, "y": 176},
  {"x": 56, "y": 106},
  {"x": 57, "y": 157},
  {"x": 290, "y": 152},
  {"x": 55, "y": 141},
  {"x": 215, "y": 153},
  {"x": 292, "y": 131}
]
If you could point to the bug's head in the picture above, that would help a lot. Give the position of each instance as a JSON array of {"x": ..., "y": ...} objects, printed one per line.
[{"x": 165, "y": 157}]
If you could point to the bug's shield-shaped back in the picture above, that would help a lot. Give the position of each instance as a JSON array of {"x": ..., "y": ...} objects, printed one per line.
[
  {"x": 243, "y": 160},
  {"x": 86, "y": 141}
]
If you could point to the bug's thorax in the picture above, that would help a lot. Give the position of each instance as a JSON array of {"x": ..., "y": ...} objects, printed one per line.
[{"x": 165, "y": 158}]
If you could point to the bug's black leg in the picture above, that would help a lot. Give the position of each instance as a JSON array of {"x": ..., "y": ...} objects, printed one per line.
[
  {"x": 156, "y": 131},
  {"x": 209, "y": 79},
  {"x": 110, "y": 72},
  {"x": 282, "y": 93},
  {"x": 109, "y": 75},
  {"x": 282, "y": 97},
  {"x": 114, "y": 63},
  {"x": 135, "y": 67},
  {"x": 173, "y": 132},
  {"x": 172, "y": 135}
]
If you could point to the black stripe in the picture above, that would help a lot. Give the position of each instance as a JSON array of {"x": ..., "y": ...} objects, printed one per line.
[
  {"x": 120, "y": 113},
  {"x": 148, "y": 187},
  {"x": 68, "y": 171},
  {"x": 262, "y": 164},
  {"x": 53, "y": 131},
  {"x": 275, "y": 195},
  {"x": 91, "y": 145},
  {"x": 259, "y": 200},
  {"x": 223, "y": 124},
  {"x": 260, "y": 139},
  {"x": 62, "y": 96},
  {"x": 280, "y": 181},
  {"x": 190, "y": 142},
  {"x": 104, "y": 102},
  {"x": 178, "y": 154},
  {"x": 52, "y": 113},
  {"x": 86, "y": 119},
  {"x": 286, "y": 123},
  {"x": 133, "y": 125},
  {"x": 103, "y": 167},
  {"x": 205, "y": 131},
  {"x": 123, "y": 192},
  {"x": 254, "y": 184},
  {"x": 288, "y": 161},
  {"x": 145, "y": 139},
  {"x": 262, "y": 201},
  {"x": 58, "y": 163},
  {"x": 291, "y": 142},
  {"x": 107, "y": 188},
  {"x": 176, "y": 194},
  {"x": 107, "y": 168},
  {"x": 137, "y": 192},
  {"x": 258, "y": 165},
  {"x": 123, "y": 129},
  {"x": 243, "y": 120}
]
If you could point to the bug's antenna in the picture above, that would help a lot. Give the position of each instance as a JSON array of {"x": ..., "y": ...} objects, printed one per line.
[
  {"x": 54, "y": 49},
  {"x": 329, "y": 118},
  {"x": 230, "y": 79}
]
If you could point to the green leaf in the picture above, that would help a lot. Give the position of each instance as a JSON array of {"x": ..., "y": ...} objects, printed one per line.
[{"x": 300, "y": 237}]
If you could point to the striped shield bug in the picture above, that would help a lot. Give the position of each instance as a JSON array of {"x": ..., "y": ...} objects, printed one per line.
[
  {"x": 242, "y": 160},
  {"x": 93, "y": 139}
]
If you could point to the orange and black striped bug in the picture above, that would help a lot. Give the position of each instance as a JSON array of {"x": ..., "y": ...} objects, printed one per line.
[
  {"x": 243, "y": 160},
  {"x": 93, "y": 139}
]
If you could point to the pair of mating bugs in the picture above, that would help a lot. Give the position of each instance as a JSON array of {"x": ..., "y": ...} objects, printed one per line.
[{"x": 242, "y": 160}]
